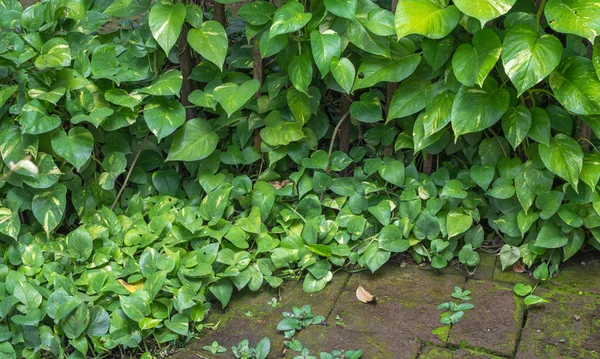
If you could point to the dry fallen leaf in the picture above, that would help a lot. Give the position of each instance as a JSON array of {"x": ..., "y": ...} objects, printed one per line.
[
  {"x": 518, "y": 268},
  {"x": 279, "y": 185},
  {"x": 132, "y": 288},
  {"x": 363, "y": 295}
]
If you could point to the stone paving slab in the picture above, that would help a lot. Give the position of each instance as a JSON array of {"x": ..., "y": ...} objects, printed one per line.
[
  {"x": 403, "y": 316},
  {"x": 567, "y": 327},
  {"x": 495, "y": 322},
  {"x": 444, "y": 353},
  {"x": 234, "y": 326},
  {"x": 581, "y": 273}
]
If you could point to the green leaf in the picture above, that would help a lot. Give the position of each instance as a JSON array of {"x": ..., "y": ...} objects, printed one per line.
[
  {"x": 578, "y": 17},
  {"x": 516, "y": 123},
  {"x": 123, "y": 98},
  {"x": 550, "y": 236},
  {"x": 210, "y": 41},
  {"x": 484, "y": 10},
  {"x": 49, "y": 206},
  {"x": 35, "y": 120},
  {"x": 6, "y": 93},
  {"x": 457, "y": 222},
  {"x": 80, "y": 244},
  {"x": 195, "y": 140},
  {"x": 438, "y": 113},
  {"x": 76, "y": 147},
  {"x": 10, "y": 223},
  {"x": 54, "y": 53},
  {"x": 168, "y": 84},
  {"x": 163, "y": 116},
  {"x": 590, "y": 170},
  {"x": 437, "y": 52},
  {"x": 409, "y": 98},
  {"x": 27, "y": 294},
  {"x": 364, "y": 40},
  {"x": 393, "y": 172},
  {"x": 563, "y": 157},
  {"x": 343, "y": 72},
  {"x": 325, "y": 46},
  {"x": 342, "y": 8},
  {"x": 468, "y": 256},
  {"x": 137, "y": 305},
  {"x": 595, "y": 61},
  {"x": 368, "y": 109},
  {"x": 540, "y": 126},
  {"x": 233, "y": 97},
  {"x": 472, "y": 63},
  {"x": 475, "y": 109},
  {"x": 522, "y": 290},
  {"x": 178, "y": 324},
  {"x": 509, "y": 255},
  {"x": 528, "y": 57},
  {"x": 430, "y": 18},
  {"x": 380, "y": 22},
  {"x": 533, "y": 300},
  {"x": 300, "y": 71},
  {"x": 166, "y": 21},
  {"x": 576, "y": 85},
  {"x": 374, "y": 257},
  {"x": 222, "y": 290},
  {"x": 373, "y": 70},
  {"x": 289, "y": 18},
  {"x": 257, "y": 13}
]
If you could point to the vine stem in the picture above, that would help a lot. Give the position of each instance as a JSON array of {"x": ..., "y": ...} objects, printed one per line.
[
  {"x": 137, "y": 155},
  {"x": 540, "y": 11},
  {"x": 335, "y": 131}
]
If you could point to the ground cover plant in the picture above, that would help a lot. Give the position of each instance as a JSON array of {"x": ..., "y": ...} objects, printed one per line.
[{"x": 159, "y": 156}]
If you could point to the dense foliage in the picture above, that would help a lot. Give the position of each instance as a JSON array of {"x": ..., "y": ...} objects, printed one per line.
[{"x": 158, "y": 155}]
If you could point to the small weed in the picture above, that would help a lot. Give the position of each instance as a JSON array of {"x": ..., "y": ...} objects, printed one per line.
[
  {"x": 339, "y": 321},
  {"x": 297, "y": 320},
  {"x": 244, "y": 351},
  {"x": 214, "y": 348},
  {"x": 454, "y": 311},
  {"x": 248, "y": 314},
  {"x": 273, "y": 302}
]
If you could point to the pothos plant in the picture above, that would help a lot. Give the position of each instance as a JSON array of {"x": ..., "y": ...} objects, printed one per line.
[{"x": 186, "y": 149}]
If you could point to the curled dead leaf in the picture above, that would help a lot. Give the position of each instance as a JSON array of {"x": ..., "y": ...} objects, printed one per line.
[
  {"x": 518, "y": 268},
  {"x": 279, "y": 185},
  {"x": 363, "y": 295},
  {"x": 132, "y": 288}
]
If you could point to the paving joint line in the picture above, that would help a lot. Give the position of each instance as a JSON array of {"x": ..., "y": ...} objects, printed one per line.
[{"x": 339, "y": 294}]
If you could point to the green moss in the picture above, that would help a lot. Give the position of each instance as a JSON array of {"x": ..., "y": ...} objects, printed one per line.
[{"x": 442, "y": 332}]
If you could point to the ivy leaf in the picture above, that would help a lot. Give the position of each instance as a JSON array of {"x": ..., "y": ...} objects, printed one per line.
[
  {"x": 578, "y": 17},
  {"x": 168, "y": 84},
  {"x": 528, "y": 57},
  {"x": 257, "y": 13},
  {"x": 368, "y": 109},
  {"x": 342, "y": 8},
  {"x": 300, "y": 71},
  {"x": 438, "y": 113},
  {"x": 373, "y": 70},
  {"x": 410, "y": 97},
  {"x": 163, "y": 116},
  {"x": 343, "y": 72},
  {"x": 595, "y": 61},
  {"x": 35, "y": 120},
  {"x": 325, "y": 46},
  {"x": 393, "y": 172},
  {"x": 76, "y": 147},
  {"x": 166, "y": 21},
  {"x": 222, "y": 290},
  {"x": 516, "y": 123},
  {"x": 289, "y": 18},
  {"x": 484, "y": 10},
  {"x": 195, "y": 140},
  {"x": 457, "y": 222},
  {"x": 232, "y": 97},
  {"x": 540, "y": 126},
  {"x": 429, "y": 18},
  {"x": 80, "y": 244},
  {"x": 509, "y": 255},
  {"x": 123, "y": 98},
  {"x": 54, "y": 53},
  {"x": 563, "y": 157},
  {"x": 482, "y": 175},
  {"x": 49, "y": 206},
  {"x": 136, "y": 305},
  {"x": 210, "y": 41},
  {"x": 472, "y": 63},
  {"x": 437, "y": 52},
  {"x": 576, "y": 85},
  {"x": 475, "y": 109}
]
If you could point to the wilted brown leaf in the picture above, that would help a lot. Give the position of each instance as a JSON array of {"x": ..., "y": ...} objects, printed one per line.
[
  {"x": 279, "y": 185},
  {"x": 518, "y": 268},
  {"x": 363, "y": 295}
]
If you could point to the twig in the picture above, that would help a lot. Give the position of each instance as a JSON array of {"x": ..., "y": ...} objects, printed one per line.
[
  {"x": 335, "y": 131},
  {"x": 137, "y": 155}
]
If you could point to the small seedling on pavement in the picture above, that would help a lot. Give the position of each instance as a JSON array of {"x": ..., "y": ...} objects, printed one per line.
[{"x": 214, "y": 348}]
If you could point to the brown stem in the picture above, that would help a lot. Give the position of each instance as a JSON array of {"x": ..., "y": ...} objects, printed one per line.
[
  {"x": 345, "y": 127},
  {"x": 258, "y": 66},
  {"x": 219, "y": 13},
  {"x": 427, "y": 163},
  {"x": 186, "y": 64},
  {"x": 137, "y": 155}
]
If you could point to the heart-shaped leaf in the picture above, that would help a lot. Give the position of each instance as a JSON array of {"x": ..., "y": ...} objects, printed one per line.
[
  {"x": 233, "y": 97},
  {"x": 194, "y": 141},
  {"x": 48, "y": 207},
  {"x": 343, "y": 72},
  {"x": 528, "y": 57},
  {"x": 163, "y": 116},
  {"x": 342, "y": 8},
  {"x": 76, "y": 147},
  {"x": 165, "y": 21},
  {"x": 484, "y": 10},
  {"x": 210, "y": 41},
  {"x": 35, "y": 120},
  {"x": 563, "y": 157},
  {"x": 325, "y": 46},
  {"x": 289, "y": 18},
  {"x": 368, "y": 109},
  {"x": 516, "y": 123},
  {"x": 430, "y": 18},
  {"x": 472, "y": 63},
  {"x": 579, "y": 17},
  {"x": 54, "y": 53},
  {"x": 576, "y": 85}
]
